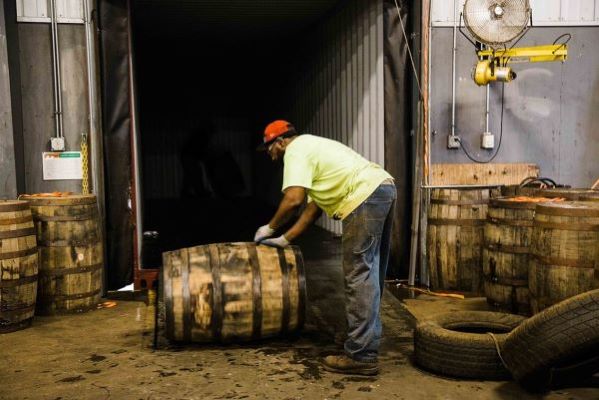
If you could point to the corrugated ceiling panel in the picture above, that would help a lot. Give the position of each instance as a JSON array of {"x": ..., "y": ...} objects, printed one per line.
[
  {"x": 68, "y": 11},
  {"x": 544, "y": 12},
  {"x": 228, "y": 17},
  {"x": 340, "y": 94}
]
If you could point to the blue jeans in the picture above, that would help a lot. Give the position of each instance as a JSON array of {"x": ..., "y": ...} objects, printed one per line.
[{"x": 366, "y": 244}]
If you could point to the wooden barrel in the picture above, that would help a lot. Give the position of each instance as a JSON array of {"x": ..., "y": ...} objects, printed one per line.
[
  {"x": 590, "y": 197},
  {"x": 18, "y": 266},
  {"x": 506, "y": 251},
  {"x": 566, "y": 193},
  {"x": 70, "y": 252},
  {"x": 517, "y": 190},
  {"x": 232, "y": 292},
  {"x": 564, "y": 252},
  {"x": 455, "y": 234}
]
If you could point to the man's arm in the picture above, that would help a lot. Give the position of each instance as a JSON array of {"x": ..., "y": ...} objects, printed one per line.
[
  {"x": 293, "y": 198},
  {"x": 310, "y": 214}
]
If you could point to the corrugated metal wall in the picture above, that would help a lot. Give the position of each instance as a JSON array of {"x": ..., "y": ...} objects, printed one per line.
[
  {"x": 339, "y": 93},
  {"x": 163, "y": 173}
]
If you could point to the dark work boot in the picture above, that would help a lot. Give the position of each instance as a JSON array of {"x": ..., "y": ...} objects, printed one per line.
[{"x": 345, "y": 365}]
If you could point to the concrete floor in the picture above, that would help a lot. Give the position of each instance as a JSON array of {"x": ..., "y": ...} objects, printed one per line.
[{"x": 107, "y": 354}]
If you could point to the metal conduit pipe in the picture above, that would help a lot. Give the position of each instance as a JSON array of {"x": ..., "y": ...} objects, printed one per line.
[
  {"x": 55, "y": 69},
  {"x": 487, "y": 111},
  {"x": 58, "y": 71},
  {"x": 453, "y": 65}
]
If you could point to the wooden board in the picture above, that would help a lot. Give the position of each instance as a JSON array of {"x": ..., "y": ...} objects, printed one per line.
[{"x": 482, "y": 174}]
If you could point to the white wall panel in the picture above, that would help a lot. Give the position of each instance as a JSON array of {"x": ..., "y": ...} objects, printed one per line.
[
  {"x": 544, "y": 12},
  {"x": 68, "y": 11},
  {"x": 339, "y": 94}
]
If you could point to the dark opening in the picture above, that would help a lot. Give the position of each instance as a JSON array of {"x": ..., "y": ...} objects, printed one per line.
[{"x": 210, "y": 76}]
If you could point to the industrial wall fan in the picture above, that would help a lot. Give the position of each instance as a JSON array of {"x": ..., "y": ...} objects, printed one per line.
[{"x": 495, "y": 23}]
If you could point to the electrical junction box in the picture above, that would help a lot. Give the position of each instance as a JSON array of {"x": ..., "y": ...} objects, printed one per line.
[
  {"x": 487, "y": 140},
  {"x": 57, "y": 144},
  {"x": 453, "y": 142}
]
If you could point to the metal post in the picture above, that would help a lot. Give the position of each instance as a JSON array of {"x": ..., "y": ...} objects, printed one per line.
[
  {"x": 453, "y": 65},
  {"x": 135, "y": 150}
]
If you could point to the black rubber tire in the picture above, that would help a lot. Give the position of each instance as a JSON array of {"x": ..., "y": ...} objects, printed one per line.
[
  {"x": 563, "y": 338},
  {"x": 440, "y": 346}
]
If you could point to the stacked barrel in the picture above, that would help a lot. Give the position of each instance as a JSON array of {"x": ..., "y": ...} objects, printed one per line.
[
  {"x": 70, "y": 252},
  {"x": 51, "y": 257},
  {"x": 18, "y": 266},
  {"x": 455, "y": 234},
  {"x": 525, "y": 251}
]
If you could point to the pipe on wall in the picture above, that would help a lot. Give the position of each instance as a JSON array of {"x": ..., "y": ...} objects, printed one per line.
[
  {"x": 453, "y": 64},
  {"x": 57, "y": 73}
]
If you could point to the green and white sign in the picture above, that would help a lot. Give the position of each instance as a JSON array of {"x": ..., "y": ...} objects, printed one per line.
[{"x": 62, "y": 165}]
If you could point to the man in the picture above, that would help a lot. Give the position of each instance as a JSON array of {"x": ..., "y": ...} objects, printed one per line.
[{"x": 336, "y": 179}]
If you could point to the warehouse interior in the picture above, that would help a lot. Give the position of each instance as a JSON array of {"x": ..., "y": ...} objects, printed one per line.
[{"x": 131, "y": 192}]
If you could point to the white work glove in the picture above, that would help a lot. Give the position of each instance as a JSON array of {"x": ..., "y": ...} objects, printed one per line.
[
  {"x": 280, "y": 242},
  {"x": 263, "y": 232}
]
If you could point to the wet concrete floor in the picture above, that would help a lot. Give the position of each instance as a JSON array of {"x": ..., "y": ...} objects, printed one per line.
[{"x": 107, "y": 354}]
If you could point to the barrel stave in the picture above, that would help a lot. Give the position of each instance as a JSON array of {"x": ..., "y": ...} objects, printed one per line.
[{"x": 507, "y": 236}]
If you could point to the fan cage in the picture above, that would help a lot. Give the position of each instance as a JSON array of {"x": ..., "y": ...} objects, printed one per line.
[{"x": 496, "y": 22}]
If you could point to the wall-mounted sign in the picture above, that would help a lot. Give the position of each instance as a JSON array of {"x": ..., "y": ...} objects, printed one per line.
[{"x": 62, "y": 165}]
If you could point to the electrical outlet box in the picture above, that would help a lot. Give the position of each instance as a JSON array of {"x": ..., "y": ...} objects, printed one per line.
[
  {"x": 453, "y": 142},
  {"x": 487, "y": 140},
  {"x": 57, "y": 144}
]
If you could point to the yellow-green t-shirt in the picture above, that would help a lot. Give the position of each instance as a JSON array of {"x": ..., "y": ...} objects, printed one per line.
[{"x": 336, "y": 178}]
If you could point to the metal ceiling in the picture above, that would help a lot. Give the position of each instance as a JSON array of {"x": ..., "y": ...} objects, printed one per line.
[{"x": 241, "y": 18}]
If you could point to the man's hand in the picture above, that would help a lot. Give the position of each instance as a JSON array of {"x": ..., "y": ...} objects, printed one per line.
[
  {"x": 280, "y": 242},
  {"x": 263, "y": 232}
]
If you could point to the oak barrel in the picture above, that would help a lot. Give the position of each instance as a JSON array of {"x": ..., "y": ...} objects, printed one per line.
[
  {"x": 70, "y": 252},
  {"x": 507, "y": 234},
  {"x": 564, "y": 258},
  {"x": 590, "y": 197},
  {"x": 232, "y": 292},
  {"x": 567, "y": 193},
  {"x": 455, "y": 235},
  {"x": 18, "y": 266}
]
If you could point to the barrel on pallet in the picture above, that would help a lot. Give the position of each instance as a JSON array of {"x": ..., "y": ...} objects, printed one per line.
[
  {"x": 70, "y": 252},
  {"x": 564, "y": 252},
  {"x": 232, "y": 292},
  {"x": 455, "y": 234},
  {"x": 506, "y": 251},
  {"x": 18, "y": 266}
]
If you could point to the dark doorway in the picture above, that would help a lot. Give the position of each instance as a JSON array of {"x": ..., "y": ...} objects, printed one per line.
[{"x": 209, "y": 77}]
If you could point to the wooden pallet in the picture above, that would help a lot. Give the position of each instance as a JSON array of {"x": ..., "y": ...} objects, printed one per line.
[{"x": 482, "y": 174}]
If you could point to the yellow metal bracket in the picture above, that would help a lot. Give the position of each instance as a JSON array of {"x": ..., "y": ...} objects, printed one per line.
[{"x": 548, "y": 53}]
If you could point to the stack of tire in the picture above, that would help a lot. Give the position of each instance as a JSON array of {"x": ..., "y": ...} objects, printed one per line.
[{"x": 556, "y": 347}]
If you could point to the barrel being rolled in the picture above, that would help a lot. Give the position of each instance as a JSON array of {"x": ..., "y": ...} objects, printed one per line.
[
  {"x": 18, "y": 266},
  {"x": 232, "y": 292},
  {"x": 455, "y": 234},
  {"x": 70, "y": 252},
  {"x": 506, "y": 251},
  {"x": 564, "y": 252}
]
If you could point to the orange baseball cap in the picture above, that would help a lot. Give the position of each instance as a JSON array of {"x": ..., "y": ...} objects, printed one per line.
[{"x": 274, "y": 130}]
